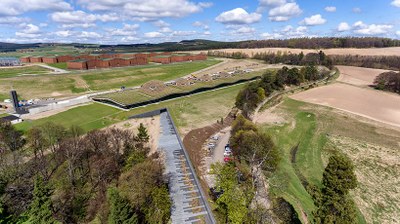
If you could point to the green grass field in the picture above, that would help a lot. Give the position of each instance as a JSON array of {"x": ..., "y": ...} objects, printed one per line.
[
  {"x": 70, "y": 84},
  {"x": 62, "y": 65},
  {"x": 134, "y": 76},
  {"x": 138, "y": 95},
  {"x": 188, "y": 112},
  {"x": 88, "y": 117},
  {"x": 314, "y": 129},
  {"x": 19, "y": 71}
]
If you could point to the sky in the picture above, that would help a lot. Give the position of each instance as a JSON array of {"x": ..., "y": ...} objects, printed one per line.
[{"x": 155, "y": 21}]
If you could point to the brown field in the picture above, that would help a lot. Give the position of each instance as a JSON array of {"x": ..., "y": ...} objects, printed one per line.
[
  {"x": 373, "y": 104},
  {"x": 335, "y": 51},
  {"x": 358, "y": 76}
]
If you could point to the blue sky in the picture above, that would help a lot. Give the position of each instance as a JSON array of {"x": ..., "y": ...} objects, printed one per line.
[{"x": 135, "y": 21}]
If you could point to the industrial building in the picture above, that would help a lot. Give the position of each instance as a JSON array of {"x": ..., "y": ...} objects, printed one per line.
[
  {"x": 9, "y": 61},
  {"x": 94, "y": 61}
]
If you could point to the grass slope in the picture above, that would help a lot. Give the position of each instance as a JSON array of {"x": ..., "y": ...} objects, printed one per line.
[
  {"x": 62, "y": 65},
  {"x": 18, "y": 71},
  {"x": 134, "y": 76},
  {"x": 188, "y": 112},
  {"x": 64, "y": 85},
  {"x": 318, "y": 131},
  {"x": 88, "y": 117}
]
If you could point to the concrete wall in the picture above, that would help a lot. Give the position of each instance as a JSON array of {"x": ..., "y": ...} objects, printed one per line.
[{"x": 60, "y": 105}]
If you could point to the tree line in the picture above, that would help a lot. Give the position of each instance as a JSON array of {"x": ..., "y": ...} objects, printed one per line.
[
  {"x": 323, "y": 43},
  {"x": 380, "y": 62},
  {"x": 236, "y": 181},
  {"x": 59, "y": 175},
  {"x": 254, "y": 93}
]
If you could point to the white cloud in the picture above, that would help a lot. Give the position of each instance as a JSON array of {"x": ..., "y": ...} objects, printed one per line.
[
  {"x": 183, "y": 33},
  {"x": 126, "y": 30},
  {"x": 165, "y": 30},
  {"x": 330, "y": 9},
  {"x": 284, "y": 12},
  {"x": 357, "y": 10},
  {"x": 238, "y": 16},
  {"x": 13, "y": 7},
  {"x": 12, "y": 20},
  {"x": 29, "y": 31},
  {"x": 272, "y": 2},
  {"x": 359, "y": 24},
  {"x": 71, "y": 19},
  {"x": 373, "y": 29},
  {"x": 343, "y": 26},
  {"x": 313, "y": 20},
  {"x": 153, "y": 35},
  {"x": 161, "y": 23},
  {"x": 201, "y": 24},
  {"x": 245, "y": 30},
  {"x": 271, "y": 36},
  {"x": 287, "y": 32},
  {"x": 88, "y": 35},
  {"x": 207, "y": 33},
  {"x": 396, "y": 3},
  {"x": 398, "y": 33},
  {"x": 148, "y": 10},
  {"x": 64, "y": 33}
]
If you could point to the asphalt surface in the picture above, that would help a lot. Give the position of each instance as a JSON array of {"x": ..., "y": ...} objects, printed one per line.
[{"x": 189, "y": 204}]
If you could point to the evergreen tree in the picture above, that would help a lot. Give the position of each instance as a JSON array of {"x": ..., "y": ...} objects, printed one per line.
[
  {"x": 41, "y": 208},
  {"x": 159, "y": 209},
  {"x": 143, "y": 135},
  {"x": 121, "y": 212},
  {"x": 336, "y": 205}
]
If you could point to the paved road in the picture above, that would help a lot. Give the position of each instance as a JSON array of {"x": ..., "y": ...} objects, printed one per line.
[
  {"x": 189, "y": 204},
  {"x": 56, "y": 70}
]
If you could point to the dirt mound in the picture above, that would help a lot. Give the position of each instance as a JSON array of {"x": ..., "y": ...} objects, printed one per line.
[{"x": 153, "y": 86}]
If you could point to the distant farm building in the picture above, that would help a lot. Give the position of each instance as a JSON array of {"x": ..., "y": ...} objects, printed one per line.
[
  {"x": 9, "y": 61},
  {"x": 94, "y": 61}
]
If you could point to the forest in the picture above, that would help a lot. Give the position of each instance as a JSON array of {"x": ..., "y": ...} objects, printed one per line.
[
  {"x": 59, "y": 175},
  {"x": 254, "y": 93},
  {"x": 255, "y": 155},
  {"x": 323, "y": 43}
]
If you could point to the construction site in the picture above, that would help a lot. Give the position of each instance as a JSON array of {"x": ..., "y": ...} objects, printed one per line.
[{"x": 98, "y": 61}]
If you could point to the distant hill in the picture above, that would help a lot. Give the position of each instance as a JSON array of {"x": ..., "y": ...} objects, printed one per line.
[
  {"x": 6, "y": 47},
  {"x": 200, "y": 44}
]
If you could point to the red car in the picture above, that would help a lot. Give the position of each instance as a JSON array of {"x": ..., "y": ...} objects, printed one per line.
[{"x": 227, "y": 159}]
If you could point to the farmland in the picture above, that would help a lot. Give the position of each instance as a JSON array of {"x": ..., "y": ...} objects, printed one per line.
[
  {"x": 353, "y": 95},
  {"x": 319, "y": 130}
]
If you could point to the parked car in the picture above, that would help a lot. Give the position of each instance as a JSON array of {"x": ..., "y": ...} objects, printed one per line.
[
  {"x": 211, "y": 144},
  {"x": 227, "y": 151},
  {"x": 228, "y": 159},
  {"x": 215, "y": 137}
]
